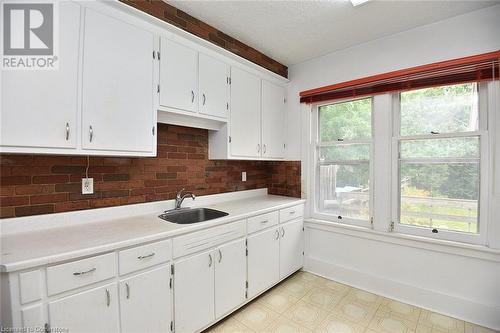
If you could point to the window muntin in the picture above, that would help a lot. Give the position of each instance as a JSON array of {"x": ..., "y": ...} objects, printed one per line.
[
  {"x": 343, "y": 160},
  {"x": 445, "y": 109},
  {"x": 439, "y": 159}
]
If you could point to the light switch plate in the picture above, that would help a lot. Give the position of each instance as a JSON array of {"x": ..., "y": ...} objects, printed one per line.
[
  {"x": 87, "y": 185},
  {"x": 243, "y": 176}
]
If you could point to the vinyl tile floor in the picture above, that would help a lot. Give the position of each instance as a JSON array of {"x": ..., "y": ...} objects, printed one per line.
[{"x": 306, "y": 303}]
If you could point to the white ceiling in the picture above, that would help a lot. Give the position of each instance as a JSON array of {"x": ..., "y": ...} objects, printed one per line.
[{"x": 294, "y": 31}]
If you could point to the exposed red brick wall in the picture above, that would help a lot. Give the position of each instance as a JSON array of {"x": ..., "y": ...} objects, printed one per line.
[
  {"x": 40, "y": 184},
  {"x": 186, "y": 22}
]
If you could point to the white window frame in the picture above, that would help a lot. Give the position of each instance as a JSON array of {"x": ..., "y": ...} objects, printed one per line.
[
  {"x": 483, "y": 202},
  {"x": 314, "y": 157}
]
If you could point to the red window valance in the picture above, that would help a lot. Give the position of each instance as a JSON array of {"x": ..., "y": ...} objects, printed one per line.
[{"x": 475, "y": 68}]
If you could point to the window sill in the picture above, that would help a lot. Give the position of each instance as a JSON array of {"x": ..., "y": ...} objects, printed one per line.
[{"x": 444, "y": 246}]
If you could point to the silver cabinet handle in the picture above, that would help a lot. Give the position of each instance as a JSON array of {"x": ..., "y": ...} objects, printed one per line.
[
  {"x": 85, "y": 272},
  {"x": 277, "y": 234},
  {"x": 67, "y": 131},
  {"x": 258, "y": 148},
  {"x": 192, "y": 96},
  {"x": 127, "y": 288},
  {"x": 91, "y": 133},
  {"x": 264, "y": 222},
  {"x": 108, "y": 298},
  {"x": 210, "y": 260},
  {"x": 220, "y": 255},
  {"x": 264, "y": 149},
  {"x": 282, "y": 232},
  {"x": 146, "y": 256},
  {"x": 204, "y": 98},
  {"x": 291, "y": 212}
]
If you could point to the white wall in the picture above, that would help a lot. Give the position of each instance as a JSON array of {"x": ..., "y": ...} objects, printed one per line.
[{"x": 455, "y": 283}]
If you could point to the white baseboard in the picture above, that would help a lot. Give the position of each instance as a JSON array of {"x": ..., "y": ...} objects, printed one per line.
[{"x": 481, "y": 314}]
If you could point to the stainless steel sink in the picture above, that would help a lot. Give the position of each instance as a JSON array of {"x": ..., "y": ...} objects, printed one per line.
[{"x": 191, "y": 215}]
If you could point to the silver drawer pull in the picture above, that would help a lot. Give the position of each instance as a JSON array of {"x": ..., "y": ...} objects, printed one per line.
[
  {"x": 220, "y": 255},
  {"x": 204, "y": 98},
  {"x": 192, "y": 96},
  {"x": 91, "y": 133},
  {"x": 127, "y": 287},
  {"x": 146, "y": 256},
  {"x": 277, "y": 234},
  {"x": 108, "y": 298},
  {"x": 210, "y": 260},
  {"x": 67, "y": 131},
  {"x": 282, "y": 232},
  {"x": 291, "y": 212},
  {"x": 265, "y": 221},
  {"x": 85, "y": 272}
]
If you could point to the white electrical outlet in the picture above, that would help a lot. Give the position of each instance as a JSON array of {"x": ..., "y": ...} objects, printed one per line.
[
  {"x": 87, "y": 185},
  {"x": 243, "y": 176}
]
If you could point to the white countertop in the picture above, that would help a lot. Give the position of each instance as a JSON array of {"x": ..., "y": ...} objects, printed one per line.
[{"x": 24, "y": 249}]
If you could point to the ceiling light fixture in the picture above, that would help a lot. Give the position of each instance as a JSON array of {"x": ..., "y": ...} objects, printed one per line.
[{"x": 358, "y": 2}]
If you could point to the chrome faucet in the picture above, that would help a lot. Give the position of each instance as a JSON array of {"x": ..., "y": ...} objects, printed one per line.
[{"x": 179, "y": 198}]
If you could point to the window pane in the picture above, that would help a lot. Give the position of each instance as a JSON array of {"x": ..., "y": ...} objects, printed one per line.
[
  {"x": 345, "y": 152},
  {"x": 344, "y": 190},
  {"x": 441, "y": 148},
  {"x": 346, "y": 120},
  {"x": 445, "y": 109},
  {"x": 441, "y": 195}
]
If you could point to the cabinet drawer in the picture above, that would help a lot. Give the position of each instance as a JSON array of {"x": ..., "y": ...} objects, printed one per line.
[
  {"x": 261, "y": 222},
  {"x": 205, "y": 239},
  {"x": 144, "y": 256},
  {"x": 291, "y": 213},
  {"x": 80, "y": 273}
]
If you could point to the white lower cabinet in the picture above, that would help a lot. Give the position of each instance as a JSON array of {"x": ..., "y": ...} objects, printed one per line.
[
  {"x": 184, "y": 284},
  {"x": 263, "y": 261},
  {"x": 274, "y": 254},
  {"x": 209, "y": 285},
  {"x": 230, "y": 277},
  {"x": 291, "y": 247},
  {"x": 94, "y": 310},
  {"x": 145, "y": 302},
  {"x": 194, "y": 292}
]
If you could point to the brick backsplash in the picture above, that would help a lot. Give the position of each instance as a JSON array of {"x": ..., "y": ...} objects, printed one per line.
[
  {"x": 180, "y": 19},
  {"x": 41, "y": 184}
]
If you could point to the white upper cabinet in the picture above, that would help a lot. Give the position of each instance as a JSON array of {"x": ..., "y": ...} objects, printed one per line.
[
  {"x": 273, "y": 120},
  {"x": 39, "y": 108},
  {"x": 178, "y": 76},
  {"x": 213, "y": 86},
  {"x": 117, "y": 101},
  {"x": 245, "y": 120}
]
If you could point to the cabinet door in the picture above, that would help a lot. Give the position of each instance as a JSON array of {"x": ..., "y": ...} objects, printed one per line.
[
  {"x": 194, "y": 292},
  {"x": 291, "y": 247},
  {"x": 39, "y": 108},
  {"x": 245, "y": 114},
  {"x": 95, "y": 310},
  {"x": 145, "y": 302},
  {"x": 178, "y": 76},
  {"x": 230, "y": 276},
  {"x": 214, "y": 87},
  {"x": 263, "y": 261},
  {"x": 118, "y": 113},
  {"x": 273, "y": 120}
]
